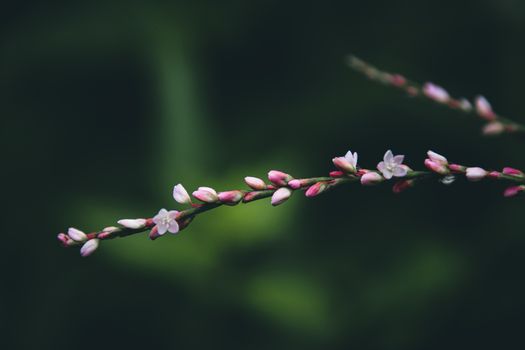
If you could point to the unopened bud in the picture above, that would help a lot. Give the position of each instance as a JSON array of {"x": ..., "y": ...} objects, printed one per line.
[
  {"x": 371, "y": 178},
  {"x": 402, "y": 185},
  {"x": 514, "y": 190},
  {"x": 206, "y": 194},
  {"x": 255, "y": 183},
  {"x": 181, "y": 195},
  {"x": 316, "y": 189},
  {"x": 343, "y": 164},
  {"x": 230, "y": 197},
  {"x": 436, "y": 93},
  {"x": 279, "y": 178},
  {"x": 484, "y": 108},
  {"x": 476, "y": 173},
  {"x": 295, "y": 184},
  {"x": 493, "y": 128},
  {"x": 132, "y": 223},
  {"x": 281, "y": 195},
  {"x": 511, "y": 171},
  {"x": 89, "y": 247},
  {"x": 436, "y": 167},
  {"x": 437, "y": 158},
  {"x": 76, "y": 234}
]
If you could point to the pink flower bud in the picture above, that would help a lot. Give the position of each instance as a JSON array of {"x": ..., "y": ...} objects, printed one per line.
[
  {"x": 484, "y": 108},
  {"x": 76, "y": 235},
  {"x": 398, "y": 80},
  {"x": 279, "y": 178},
  {"x": 316, "y": 189},
  {"x": 402, "y": 185},
  {"x": 494, "y": 175},
  {"x": 132, "y": 223},
  {"x": 343, "y": 164},
  {"x": 65, "y": 240},
  {"x": 371, "y": 178},
  {"x": 493, "y": 128},
  {"x": 89, "y": 247},
  {"x": 512, "y": 191},
  {"x": 512, "y": 171},
  {"x": 230, "y": 197},
  {"x": 206, "y": 194},
  {"x": 154, "y": 233},
  {"x": 336, "y": 173},
  {"x": 437, "y": 158},
  {"x": 281, "y": 195},
  {"x": 476, "y": 173},
  {"x": 110, "y": 229},
  {"x": 255, "y": 183},
  {"x": 295, "y": 184},
  {"x": 436, "y": 167},
  {"x": 181, "y": 195},
  {"x": 456, "y": 168},
  {"x": 436, "y": 93}
]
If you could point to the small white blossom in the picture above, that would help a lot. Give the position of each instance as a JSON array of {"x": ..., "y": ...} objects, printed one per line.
[
  {"x": 436, "y": 93},
  {"x": 347, "y": 163},
  {"x": 181, "y": 195},
  {"x": 166, "y": 221},
  {"x": 392, "y": 166}
]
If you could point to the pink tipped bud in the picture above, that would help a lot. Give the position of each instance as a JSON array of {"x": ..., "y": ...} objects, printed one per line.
[
  {"x": 402, "y": 185},
  {"x": 255, "y": 183},
  {"x": 436, "y": 167},
  {"x": 412, "y": 91},
  {"x": 493, "y": 128},
  {"x": 343, "y": 164},
  {"x": 336, "y": 173},
  {"x": 76, "y": 234},
  {"x": 514, "y": 190},
  {"x": 484, "y": 108},
  {"x": 456, "y": 168},
  {"x": 181, "y": 195},
  {"x": 206, "y": 194},
  {"x": 316, "y": 189},
  {"x": 110, "y": 229},
  {"x": 132, "y": 223},
  {"x": 295, "y": 184},
  {"x": 279, "y": 178},
  {"x": 371, "y": 178},
  {"x": 436, "y": 93},
  {"x": 230, "y": 197},
  {"x": 437, "y": 158},
  {"x": 397, "y": 80},
  {"x": 494, "y": 175},
  {"x": 154, "y": 233},
  {"x": 511, "y": 171},
  {"x": 476, "y": 173},
  {"x": 65, "y": 240},
  {"x": 281, "y": 195},
  {"x": 89, "y": 247}
]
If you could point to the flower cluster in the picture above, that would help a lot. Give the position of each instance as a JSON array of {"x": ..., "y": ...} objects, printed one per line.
[
  {"x": 494, "y": 123},
  {"x": 280, "y": 188}
]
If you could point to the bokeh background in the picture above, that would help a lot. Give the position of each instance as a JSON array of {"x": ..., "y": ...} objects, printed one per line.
[{"x": 106, "y": 105}]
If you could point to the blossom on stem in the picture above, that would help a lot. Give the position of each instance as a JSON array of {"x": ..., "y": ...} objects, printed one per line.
[
  {"x": 279, "y": 178},
  {"x": 436, "y": 167},
  {"x": 511, "y": 171},
  {"x": 476, "y": 173},
  {"x": 465, "y": 105},
  {"x": 295, "y": 184},
  {"x": 76, "y": 235},
  {"x": 437, "y": 158},
  {"x": 89, "y": 247},
  {"x": 181, "y": 195},
  {"x": 493, "y": 128},
  {"x": 230, "y": 197},
  {"x": 281, "y": 195},
  {"x": 316, "y": 189},
  {"x": 206, "y": 194},
  {"x": 436, "y": 93},
  {"x": 402, "y": 185},
  {"x": 132, "y": 223},
  {"x": 484, "y": 108},
  {"x": 348, "y": 163},
  {"x": 392, "y": 165},
  {"x": 166, "y": 221},
  {"x": 371, "y": 178},
  {"x": 255, "y": 183},
  {"x": 513, "y": 190}
]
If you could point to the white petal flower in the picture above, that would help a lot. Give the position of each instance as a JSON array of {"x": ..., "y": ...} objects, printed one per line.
[
  {"x": 351, "y": 158},
  {"x": 181, "y": 195},
  {"x": 166, "y": 221},
  {"x": 392, "y": 166}
]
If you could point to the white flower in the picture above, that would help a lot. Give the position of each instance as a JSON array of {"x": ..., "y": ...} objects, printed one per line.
[
  {"x": 76, "y": 235},
  {"x": 166, "y": 221},
  {"x": 392, "y": 166},
  {"x": 132, "y": 223},
  {"x": 347, "y": 163},
  {"x": 181, "y": 195},
  {"x": 89, "y": 247}
]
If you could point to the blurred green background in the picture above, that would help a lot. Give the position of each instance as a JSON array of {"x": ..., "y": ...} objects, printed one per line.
[{"x": 107, "y": 104}]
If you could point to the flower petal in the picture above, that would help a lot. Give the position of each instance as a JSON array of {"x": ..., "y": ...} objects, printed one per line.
[
  {"x": 162, "y": 228},
  {"x": 400, "y": 171},
  {"x": 173, "y": 227},
  {"x": 399, "y": 159},
  {"x": 388, "y": 157}
]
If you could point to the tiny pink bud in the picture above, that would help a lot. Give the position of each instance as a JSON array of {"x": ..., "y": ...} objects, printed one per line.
[
  {"x": 110, "y": 229},
  {"x": 279, "y": 178},
  {"x": 493, "y": 128},
  {"x": 181, "y": 195},
  {"x": 456, "y": 168},
  {"x": 402, "y": 185},
  {"x": 511, "y": 171},
  {"x": 343, "y": 164},
  {"x": 65, "y": 240},
  {"x": 255, "y": 183},
  {"x": 336, "y": 173},
  {"x": 76, "y": 234},
  {"x": 230, "y": 197},
  {"x": 512, "y": 191},
  {"x": 132, "y": 223},
  {"x": 437, "y": 158},
  {"x": 484, "y": 108},
  {"x": 436, "y": 93},
  {"x": 89, "y": 247},
  {"x": 371, "y": 178},
  {"x": 494, "y": 175},
  {"x": 206, "y": 194},
  {"x": 436, "y": 167},
  {"x": 295, "y": 184},
  {"x": 154, "y": 233},
  {"x": 281, "y": 195},
  {"x": 398, "y": 80},
  {"x": 476, "y": 173},
  {"x": 316, "y": 189}
]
